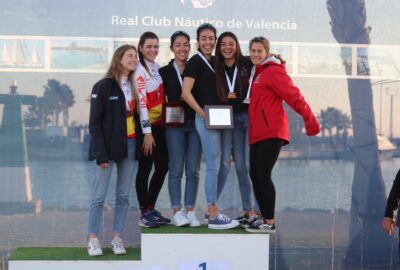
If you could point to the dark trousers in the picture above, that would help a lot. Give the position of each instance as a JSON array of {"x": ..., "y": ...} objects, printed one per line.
[
  {"x": 147, "y": 194},
  {"x": 263, "y": 156}
]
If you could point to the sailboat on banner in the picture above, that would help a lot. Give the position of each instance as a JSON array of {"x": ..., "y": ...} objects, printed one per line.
[
  {"x": 35, "y": 61},
  {"x": 19, "y": 54},
  {"x": 14, "y": 53},
  {"x": 5, "y": 56}
]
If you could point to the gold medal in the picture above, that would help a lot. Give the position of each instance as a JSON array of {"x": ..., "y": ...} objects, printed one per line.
[{"x": 232, "y": 95}]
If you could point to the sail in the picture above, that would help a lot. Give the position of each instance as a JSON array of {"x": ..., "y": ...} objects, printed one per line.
[
  {"x": 5, "y": 56},
  {"x": 35, "y": 61}
]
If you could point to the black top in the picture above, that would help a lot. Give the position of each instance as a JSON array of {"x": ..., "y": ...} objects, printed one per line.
[
  {"x": 173, "y": 89},
  {"x": 107, "y": 122},
  {"x": 394, "y": 197},
  {"x": 204, "y": 89},
  {"x": 241, "y": 84}
]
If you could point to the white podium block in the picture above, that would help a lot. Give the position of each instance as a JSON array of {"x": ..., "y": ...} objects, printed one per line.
[
  {"x": 164, "y": 248},
  {"x": 72, "y": 258},
  {"x": 75, "y": 265},
  {"x": 214, "y": 251}
]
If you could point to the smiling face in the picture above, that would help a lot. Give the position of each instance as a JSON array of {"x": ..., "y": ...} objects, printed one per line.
[
  {"x": 128, "y": 62},
  {"x": 258, "y": 53},
  {"x": 181, "y": 48},
  {"x": 206, "y": 42},
  {"x": 228, "y": 48},
  {"x": 150, "y": 49}
]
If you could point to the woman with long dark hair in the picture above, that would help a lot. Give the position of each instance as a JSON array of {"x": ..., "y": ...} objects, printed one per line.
[
  {"x": 112, "y": 127},
  {"x": 232, "y": 74},
  {"x": 198, "y": 90},
  {"x": 150, "y": 90}
]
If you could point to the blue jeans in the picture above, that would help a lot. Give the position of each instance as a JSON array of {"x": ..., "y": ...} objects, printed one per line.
[
  {"x": 217, "y": 148},
  {"x": 125, "y": 174},
  {"x": 184, "y": 151},
  {"x": 240, "y": 151}
]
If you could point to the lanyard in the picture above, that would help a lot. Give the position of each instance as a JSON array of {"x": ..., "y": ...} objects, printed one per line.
[
  {"x": 253, "y": 71},
  {"x": 126, "y": 89},
  {"x": 205, "y": 61},
  {"x": 231, "y": 84},
  {"x": 178, "y": 73}
]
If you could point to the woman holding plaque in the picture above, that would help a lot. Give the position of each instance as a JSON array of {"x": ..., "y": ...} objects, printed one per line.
[
  {"x": 112, "y": 127},
  {"x": 150, "y": 90},
  {"x": 268, "y": 125},
  {"x": 184, "y": 147},
  {"x": 232, "y": 74},
  {"x": 199, "y": 90}
]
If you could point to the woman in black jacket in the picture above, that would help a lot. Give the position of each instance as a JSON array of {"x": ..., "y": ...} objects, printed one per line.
[
  {"x": 112, "y": 127},
  {"x": 392, "y": 204}
]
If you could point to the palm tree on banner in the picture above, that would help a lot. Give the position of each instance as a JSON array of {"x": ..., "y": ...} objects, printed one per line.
[
  {"x": 368, "y": 245},
  {"x": 343, "y": 125},
  {"x": 328, "y": 120}
]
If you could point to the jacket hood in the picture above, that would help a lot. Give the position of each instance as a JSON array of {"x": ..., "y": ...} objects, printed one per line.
[{"x": 271, "y": 60}]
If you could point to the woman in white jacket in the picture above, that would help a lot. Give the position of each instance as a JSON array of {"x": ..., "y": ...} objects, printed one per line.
[{"x": 150, "y": 91}]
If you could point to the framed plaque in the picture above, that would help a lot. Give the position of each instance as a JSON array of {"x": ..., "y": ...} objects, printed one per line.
[
  {"x": 219, "y": 116},
  {"x": 173, "y": 114}
]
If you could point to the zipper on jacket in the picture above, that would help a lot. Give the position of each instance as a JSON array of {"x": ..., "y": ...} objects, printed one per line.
[{"x": 265, "y": 118}]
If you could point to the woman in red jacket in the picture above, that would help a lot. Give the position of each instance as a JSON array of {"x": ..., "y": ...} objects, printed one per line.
[{"x": 269, "y": 125}]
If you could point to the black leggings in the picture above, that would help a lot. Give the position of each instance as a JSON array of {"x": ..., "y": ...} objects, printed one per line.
[
  {"x": 263, "y": 156},
  {"x": 147, "y": 195}
]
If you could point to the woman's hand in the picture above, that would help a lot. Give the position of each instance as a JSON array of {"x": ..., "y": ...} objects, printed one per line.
[
  {"x": 312, "y": 126},
  {"x": 104, "y": 165},
  {"x": 388, "y": 225},
  {"x": 202, "y": 114},
  {"x": 148, "y": 144},
  {"x": 278, "y": 56}
]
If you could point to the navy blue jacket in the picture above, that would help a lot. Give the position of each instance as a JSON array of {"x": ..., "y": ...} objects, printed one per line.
[{"x": 107, "y": 122}]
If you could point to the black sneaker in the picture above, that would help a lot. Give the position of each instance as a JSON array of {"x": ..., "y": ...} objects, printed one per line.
[
  {"x": 147, "y": 220},
  {"x": 246, "y": 222},
  {"x": 159, "y": 218},
  {"x": 258, "y": 227}
]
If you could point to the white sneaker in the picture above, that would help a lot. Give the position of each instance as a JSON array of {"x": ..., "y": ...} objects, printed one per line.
[
  {"x": 117, "y": 246},
  {"x": 180, "y": 219},
  {"x": 94, "y": 248},
  {"x": 193, "y": 221}
]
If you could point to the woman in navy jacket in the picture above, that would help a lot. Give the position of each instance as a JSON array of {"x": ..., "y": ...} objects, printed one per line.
[{"x": 112, "y": 128}]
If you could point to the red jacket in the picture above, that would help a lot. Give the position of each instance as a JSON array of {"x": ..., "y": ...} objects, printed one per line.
[{"x": 267, "y": 117}]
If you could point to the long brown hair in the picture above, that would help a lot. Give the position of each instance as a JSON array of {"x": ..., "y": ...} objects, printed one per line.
[
  {"x": 114, "y": 69},
  {"x": 222, "y": 84}
]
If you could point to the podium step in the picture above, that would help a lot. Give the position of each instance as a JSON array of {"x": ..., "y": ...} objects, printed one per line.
[
  {"x": 67, "y": 258},
  {"x": 164, "y": 248},
  {"x": 204, "y": 249}
]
